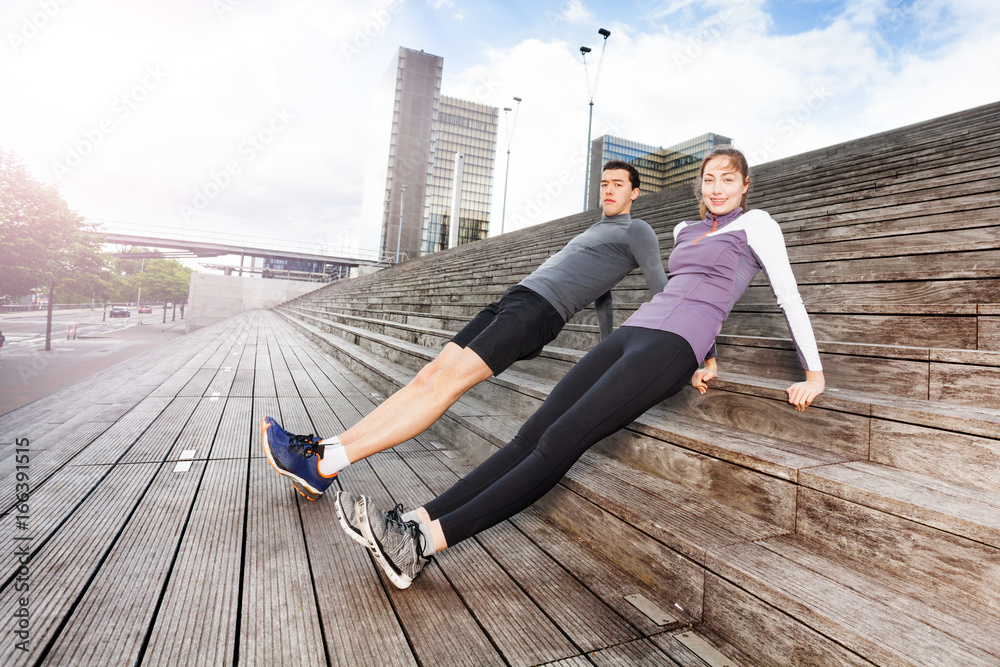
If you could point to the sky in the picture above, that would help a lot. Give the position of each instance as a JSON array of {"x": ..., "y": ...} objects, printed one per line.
[{"x": 269, "y": 122}]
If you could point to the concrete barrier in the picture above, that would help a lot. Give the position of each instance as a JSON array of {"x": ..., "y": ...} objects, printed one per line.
[{"x": 213, "y": 298}]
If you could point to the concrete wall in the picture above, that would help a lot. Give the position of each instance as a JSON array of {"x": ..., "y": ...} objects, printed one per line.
[{"x": 212, "y": 298}]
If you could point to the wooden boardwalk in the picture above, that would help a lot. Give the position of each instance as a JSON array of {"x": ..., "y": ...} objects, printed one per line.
[{"x": 155, "y": 533}]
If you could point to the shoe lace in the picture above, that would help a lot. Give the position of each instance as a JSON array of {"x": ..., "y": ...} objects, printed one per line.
[
  {"x": 307, "y": 444},
  {"x": 394, "y": 521}
]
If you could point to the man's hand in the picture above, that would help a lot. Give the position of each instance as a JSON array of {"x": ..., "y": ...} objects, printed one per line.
[
  {"x": 802, "y": 394},
  {"x": 703, "y": 375}
]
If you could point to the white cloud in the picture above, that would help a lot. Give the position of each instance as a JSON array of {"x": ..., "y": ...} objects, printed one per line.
[
  {"x": 776, "y": 95},
  {"x": 707, "y": 66}
]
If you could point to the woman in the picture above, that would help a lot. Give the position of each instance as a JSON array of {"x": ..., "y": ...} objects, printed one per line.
[{"x": 648, "y": 359}]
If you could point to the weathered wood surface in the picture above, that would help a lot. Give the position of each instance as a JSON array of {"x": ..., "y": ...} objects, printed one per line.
[{"x": 133, "y": 563}]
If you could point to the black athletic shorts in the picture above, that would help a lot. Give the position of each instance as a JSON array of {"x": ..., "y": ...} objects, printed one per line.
[{"x": 516, "y": 326}]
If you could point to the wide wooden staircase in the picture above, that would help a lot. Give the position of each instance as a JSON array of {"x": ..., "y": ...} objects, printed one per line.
[{"x": 865, "y": 530}]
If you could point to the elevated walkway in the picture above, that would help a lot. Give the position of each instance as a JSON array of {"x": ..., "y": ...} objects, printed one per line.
[{"x": 863, "y": 531}]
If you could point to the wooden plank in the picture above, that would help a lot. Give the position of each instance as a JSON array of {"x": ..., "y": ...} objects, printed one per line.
[
  {"x": 262, "y": 407},
  {"x": 431, "y": 603},
  {"x": 199, "y": 431},
  {"x": 120, "y": 601},
  {"x": 157, "y": 441},
  {"x": 587, "y": 541},
  {"x": 516, "y": 626},
  {"x": 48, "y": 506},
  {"x": 898, "y": 377},
  {"x": 970, "y": 385},
  {"x": 970, "y": 622},
  {"x": 585, "y": 619},
  {"x": 682, "y": 520},
  {"x": 765, "y": 634},
  {"x": 957, "y": 457},
  {"x": 116, "y": 441},
  {"x": 199, "y": 383},
  {"x": 869, "y": 540},
  {"x": 874, "y": 631},
  {"x": 279, "y": 616},
  {"x": 639, "y": 652},
  {"x": 945, "y": 331},
  {"x": 970, "y": 512},
  {"x": 351, "y": 595},
  {"x": 197, "y": 620},
  {"x": 235, "y": 435},
  {"x": 62, "y": 567}
]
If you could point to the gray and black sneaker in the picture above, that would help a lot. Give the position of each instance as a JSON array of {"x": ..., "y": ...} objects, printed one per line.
[
  {"x": 398, "y": 545},
  {"x": 347, "y": 512}
]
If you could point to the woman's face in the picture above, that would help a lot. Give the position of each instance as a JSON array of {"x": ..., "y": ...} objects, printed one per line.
[{"x": 722, "y": 186}]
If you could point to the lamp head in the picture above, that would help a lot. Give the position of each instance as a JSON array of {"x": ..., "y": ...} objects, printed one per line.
[
  {"x": 584, "y": 50},
  {"x": 604, "y": 33},
  {"x": 518, "y": 99},
  {"x": 507, "y": 109}
]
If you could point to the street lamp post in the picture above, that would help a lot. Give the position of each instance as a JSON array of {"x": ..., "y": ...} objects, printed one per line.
[
  {"x": 399, "y": 234},
  {"x": 506, "y": 177},
  {"x": 591, "y": 93}
]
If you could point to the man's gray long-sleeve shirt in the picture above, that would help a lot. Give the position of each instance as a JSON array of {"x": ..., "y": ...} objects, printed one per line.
[{"x": 586, "y": 269}]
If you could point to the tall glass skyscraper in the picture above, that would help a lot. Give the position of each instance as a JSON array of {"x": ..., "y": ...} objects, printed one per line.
[
  {"x": 468, "y": 129},
  {"x": 659, "y": 168},
  {"x": 428, "y": 132}
]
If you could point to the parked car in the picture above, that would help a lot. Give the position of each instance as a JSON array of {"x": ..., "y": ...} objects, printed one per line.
[
  {"x": 168, "y": 305},
  {"x": 120, "y": 311},
  {"x": 145, "y": 309}
]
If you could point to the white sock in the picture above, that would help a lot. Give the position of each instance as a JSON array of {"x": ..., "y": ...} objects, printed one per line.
[
  {"x": 411, "y": 516},
  {"x": 429, "y": 550},
  {"x": 334, "y": 457}
]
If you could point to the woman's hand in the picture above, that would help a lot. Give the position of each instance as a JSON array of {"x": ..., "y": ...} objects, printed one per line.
[
  {"x": 802, "y": 394},
  {"x": 703, "y": 375}
]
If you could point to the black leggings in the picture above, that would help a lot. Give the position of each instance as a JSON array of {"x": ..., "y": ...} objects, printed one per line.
[{"x": 630, "y": 371}]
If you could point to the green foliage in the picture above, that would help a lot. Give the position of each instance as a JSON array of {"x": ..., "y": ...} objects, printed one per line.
[
  {"x": 165, "y": 280},
  {"x": 42, "y": 243}
]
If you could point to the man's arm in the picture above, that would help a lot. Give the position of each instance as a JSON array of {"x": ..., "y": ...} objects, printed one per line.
[
  {"x": 605, "y": 314},
  {"x": 645, "y": 249}
]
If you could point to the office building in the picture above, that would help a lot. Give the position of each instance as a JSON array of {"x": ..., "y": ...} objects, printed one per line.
[
  {"x": 428, "y": 132},
  {"x": 659, "y": 168}
]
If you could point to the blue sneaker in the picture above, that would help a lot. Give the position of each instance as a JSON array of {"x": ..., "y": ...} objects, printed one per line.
[{"x": 296, "y": 456}]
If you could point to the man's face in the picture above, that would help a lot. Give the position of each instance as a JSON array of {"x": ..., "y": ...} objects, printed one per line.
[{"x": 617, "y": 193}]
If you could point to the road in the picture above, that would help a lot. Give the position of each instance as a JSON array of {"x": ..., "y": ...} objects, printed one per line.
[{"x": 28, "y": 372}]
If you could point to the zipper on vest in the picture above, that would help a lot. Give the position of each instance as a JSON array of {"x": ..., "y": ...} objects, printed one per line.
[{"x": 715, "y": 224}]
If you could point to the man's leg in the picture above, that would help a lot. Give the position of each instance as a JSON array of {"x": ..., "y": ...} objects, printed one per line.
[
  {"x": 404, "y": 396},
  {"x": 412, "y": 418}
]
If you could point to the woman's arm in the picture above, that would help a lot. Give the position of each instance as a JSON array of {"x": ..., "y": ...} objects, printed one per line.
[
  {"x": 802, "y": 394},
  {"x": 703, "y": 375},
  {"x": 768, "y": 244}
]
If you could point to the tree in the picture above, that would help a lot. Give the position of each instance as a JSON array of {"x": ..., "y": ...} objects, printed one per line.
[
  {"x": 42, "y": 243},
  {"x": 165, "y": 280}
]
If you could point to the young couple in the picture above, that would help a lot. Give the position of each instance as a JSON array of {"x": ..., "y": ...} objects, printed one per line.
[{"x": 648, "y": 359}]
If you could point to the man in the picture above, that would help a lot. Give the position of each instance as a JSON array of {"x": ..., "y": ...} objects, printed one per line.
[{"x": 516, "y": 326}]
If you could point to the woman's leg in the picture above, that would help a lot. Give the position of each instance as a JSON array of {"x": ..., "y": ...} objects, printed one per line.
[
  {"x": 562, "y": 397},
  {"x": 653, "y": 366}
]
